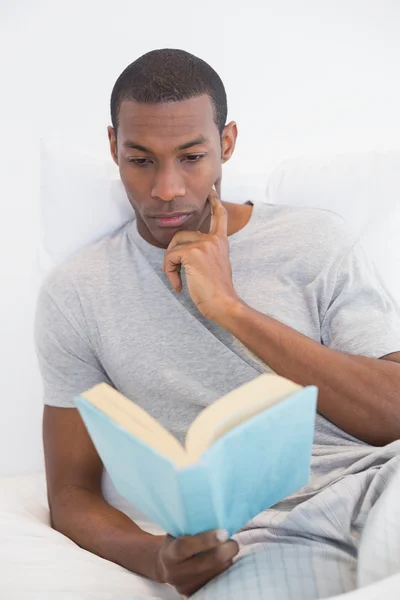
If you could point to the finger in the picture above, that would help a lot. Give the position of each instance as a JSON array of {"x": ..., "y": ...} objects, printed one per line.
[
  {"x": 185, "y": 237},
  {"x": 219, "y": 216},
  {"x": 187, "y": 546},
  {"x": 216, "y": 557},
  {"x": 172, "y": 268},
  {"x": 187, "y": 585},
  {"x": 173, "y": 262}
]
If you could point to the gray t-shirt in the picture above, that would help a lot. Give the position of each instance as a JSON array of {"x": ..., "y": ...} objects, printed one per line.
[{"x": 109, "y": 314}]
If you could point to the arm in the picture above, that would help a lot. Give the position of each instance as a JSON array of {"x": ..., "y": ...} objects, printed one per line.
[
  {"x": 79, "y": 511},
  {"x": 77, "y": 507},
  {"x": 360, "y": 395},
  {"x": 74, "y": 469}
]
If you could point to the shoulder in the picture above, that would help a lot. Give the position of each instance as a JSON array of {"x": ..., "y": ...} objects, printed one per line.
[
  {"x": 307, "y": 229},
  {"x": 85, "y": 268}
]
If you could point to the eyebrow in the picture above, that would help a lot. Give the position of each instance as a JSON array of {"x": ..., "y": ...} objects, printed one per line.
[{"x": 200, "y": 140}]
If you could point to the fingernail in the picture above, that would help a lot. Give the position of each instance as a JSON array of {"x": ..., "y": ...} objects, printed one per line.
[
  {"x": 214, "y": 188},
  {"x": 222, "y": 535}
]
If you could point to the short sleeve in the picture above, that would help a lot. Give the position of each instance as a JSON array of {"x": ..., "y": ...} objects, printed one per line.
[
  {"x": 361, "y": 317},
  {"x": 67, "y": 362}
]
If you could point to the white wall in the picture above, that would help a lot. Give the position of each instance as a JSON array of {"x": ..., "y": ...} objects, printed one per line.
[{"x": 302, "y": 78}]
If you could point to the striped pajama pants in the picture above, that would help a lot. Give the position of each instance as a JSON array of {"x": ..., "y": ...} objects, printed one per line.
[{"x": 345, "y": 537}]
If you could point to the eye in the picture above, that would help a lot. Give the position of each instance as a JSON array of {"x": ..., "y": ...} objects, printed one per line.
[
  {"x": 140, "y": 162},
  {"x": 192, "y": 158}
]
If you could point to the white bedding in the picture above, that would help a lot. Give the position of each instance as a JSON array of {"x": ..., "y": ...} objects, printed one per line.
[{"x": 37, "y": 562}]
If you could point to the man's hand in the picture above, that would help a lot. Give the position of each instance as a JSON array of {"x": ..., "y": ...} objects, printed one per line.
[
  {"x": 205, "y": 258},
  {"x": 190, "y": 562}
]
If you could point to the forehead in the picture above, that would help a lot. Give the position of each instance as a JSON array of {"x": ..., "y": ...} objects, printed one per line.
[{"x": 163, "y": 122}]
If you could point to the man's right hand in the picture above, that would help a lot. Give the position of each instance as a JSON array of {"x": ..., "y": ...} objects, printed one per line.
[{"x": 189, "y": 562}]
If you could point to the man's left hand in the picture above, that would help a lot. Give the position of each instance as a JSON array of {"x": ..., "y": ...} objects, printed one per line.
[{"x": 205, "y": 258}]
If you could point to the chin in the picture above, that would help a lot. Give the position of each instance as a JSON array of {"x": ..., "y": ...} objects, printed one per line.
[
  {"x": 165, "y": 235},
  {"x": 161, "y": 236},
  {"x": 165, "y": 238}
]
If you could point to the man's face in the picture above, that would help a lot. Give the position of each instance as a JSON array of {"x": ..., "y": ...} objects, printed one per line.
[{"x": 169, "y": 156}]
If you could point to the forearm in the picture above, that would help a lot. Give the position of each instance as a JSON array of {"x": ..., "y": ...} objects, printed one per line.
[
  {"x": 360, "y": 395},
  {"x": 93, "y": 524}
]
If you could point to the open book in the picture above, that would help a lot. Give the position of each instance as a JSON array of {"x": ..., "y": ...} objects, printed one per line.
[{"x": 242, "y": 454}]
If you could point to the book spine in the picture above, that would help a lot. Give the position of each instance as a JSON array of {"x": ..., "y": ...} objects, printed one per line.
[{"x": 197, "y": 499}]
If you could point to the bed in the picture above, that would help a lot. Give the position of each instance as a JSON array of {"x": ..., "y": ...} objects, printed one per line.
[{"x": 38, "y": 562}]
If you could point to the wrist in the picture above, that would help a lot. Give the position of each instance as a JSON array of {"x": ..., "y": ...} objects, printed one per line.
[
  {"x": 232, "y": 311},
  {"x": 158, "y": 573},
  {"x": 140, "y": 554}
]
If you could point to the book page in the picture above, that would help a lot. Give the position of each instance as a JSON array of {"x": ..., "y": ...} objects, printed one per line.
[
  {"x": 234, "y": 408},
  {"x": 136, "y": 421}
]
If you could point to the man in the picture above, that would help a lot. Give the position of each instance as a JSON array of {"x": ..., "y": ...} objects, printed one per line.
[{"x": 194, "y": 298}]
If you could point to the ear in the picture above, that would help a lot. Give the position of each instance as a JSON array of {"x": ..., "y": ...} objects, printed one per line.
[
  {"x": 112, "y": 138},
  {"x": 228, "y": 142}
]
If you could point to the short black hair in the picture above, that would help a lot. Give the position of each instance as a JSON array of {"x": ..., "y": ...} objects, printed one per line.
[{"x": 169, "y": 75}]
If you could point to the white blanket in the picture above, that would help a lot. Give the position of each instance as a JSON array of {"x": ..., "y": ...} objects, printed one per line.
[{"x": 37, "y": 562}]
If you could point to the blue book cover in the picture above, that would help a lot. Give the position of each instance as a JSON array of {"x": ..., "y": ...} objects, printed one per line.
[{"x": 254, "y": 464}]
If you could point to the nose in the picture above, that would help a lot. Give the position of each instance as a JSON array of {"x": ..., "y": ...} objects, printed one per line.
[{"x": 168, "y": 184}]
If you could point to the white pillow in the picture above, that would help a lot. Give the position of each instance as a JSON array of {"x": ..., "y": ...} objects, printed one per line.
[
  {"x": 364, "y": 188},
  {"x": 83, "y": 199},
  {"x": 383, "y": 242}
]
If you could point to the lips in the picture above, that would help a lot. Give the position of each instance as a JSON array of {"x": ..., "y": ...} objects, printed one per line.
[{"x": 175, "y": 221}]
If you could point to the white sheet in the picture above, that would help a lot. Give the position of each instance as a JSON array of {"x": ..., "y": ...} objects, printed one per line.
[{"x": 37, "y": 562}]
